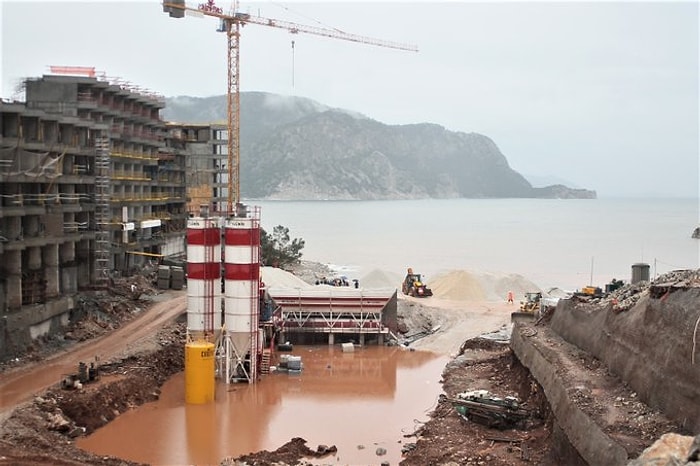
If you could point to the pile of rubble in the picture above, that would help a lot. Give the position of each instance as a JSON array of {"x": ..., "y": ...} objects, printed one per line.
[
  {"x": 292, "y": 452},
  {"x": 98, "y": 312},
  {"x": 42, "y": 431},
  {"x": 308, "y": 271},
  {"x": 625, "y": 297}
]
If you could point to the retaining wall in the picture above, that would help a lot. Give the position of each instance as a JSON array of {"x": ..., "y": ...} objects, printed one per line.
[
  {"x": 592, "y": 444},
  {"x": 649, "y": 346},
  {"x": 19, "y": 329}
]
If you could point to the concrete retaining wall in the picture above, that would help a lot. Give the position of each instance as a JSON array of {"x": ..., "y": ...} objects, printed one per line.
[
  {"x": 649, "y": 346},
  {"x": 389, "y": 314},
  {"x": 20, "y": 328},
  {"x": 593, "y": 445}
]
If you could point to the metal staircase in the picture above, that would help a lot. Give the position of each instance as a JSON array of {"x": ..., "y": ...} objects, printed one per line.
[{"x": 265, "y": 361}]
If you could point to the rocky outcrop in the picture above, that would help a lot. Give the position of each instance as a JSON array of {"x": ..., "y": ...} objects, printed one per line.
[{"x": 558, "y": 191}]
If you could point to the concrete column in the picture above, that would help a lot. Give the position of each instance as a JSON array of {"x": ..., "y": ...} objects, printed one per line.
[
  {"x": 31, "y": 226},
  {"x": 50, "y": 258},
  {"x": 331, "y": 339},
  {"x": 13, "y": 227},
  {"x": 67, "y": 252},
  {"x": 13, "y": 263},
  {"x": 380, "y": 339},
  {"x": 34, "y": 258},
  {"x": 82, "y": 255},
  {"x": 362, "y": 339},
  {"x": 68, "y": 273}
]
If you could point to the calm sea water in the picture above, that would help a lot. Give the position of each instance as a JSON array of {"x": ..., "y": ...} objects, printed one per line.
[{"x": 562, "y": 243}]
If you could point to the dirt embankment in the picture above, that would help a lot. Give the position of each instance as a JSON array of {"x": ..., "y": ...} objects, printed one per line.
[
  {"x": 41, "y": 431},
  {"x": 136, "y": 344},
  {"x": 449, "y": 439}
]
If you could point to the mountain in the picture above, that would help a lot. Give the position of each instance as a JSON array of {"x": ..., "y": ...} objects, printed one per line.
[{"x": 294, "y": 148}]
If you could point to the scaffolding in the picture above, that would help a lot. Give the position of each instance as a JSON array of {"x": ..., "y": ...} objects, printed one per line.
[{"x": 102, "y": 211}]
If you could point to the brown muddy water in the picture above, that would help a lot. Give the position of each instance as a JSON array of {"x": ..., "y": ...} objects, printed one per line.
[{"x": 359, "y": 402}]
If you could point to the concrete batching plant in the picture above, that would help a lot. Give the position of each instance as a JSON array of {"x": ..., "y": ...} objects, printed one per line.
[{"x": 222, "y": 334}]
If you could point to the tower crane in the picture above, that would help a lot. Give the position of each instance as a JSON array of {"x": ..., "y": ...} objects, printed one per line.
[{"x": 231, "y": 24}]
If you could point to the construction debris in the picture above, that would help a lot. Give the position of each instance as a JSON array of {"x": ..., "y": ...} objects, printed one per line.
[
  {"x": 486, "y": 408},
  {"x": 626, "y": 296},
  {"x": 84, "y": 375}
]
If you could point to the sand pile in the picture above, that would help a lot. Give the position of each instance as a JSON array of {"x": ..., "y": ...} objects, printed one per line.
[
  {"x": 458, "y": 285},
  {"x": 381, "y": 279},
  {"x": 455, "y": 285},
  {"x": 278, "y": 278},
  {"x": 462, "y": 285}
]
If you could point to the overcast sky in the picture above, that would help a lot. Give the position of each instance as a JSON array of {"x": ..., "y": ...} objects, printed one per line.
[{"x": 603, "y": 95}]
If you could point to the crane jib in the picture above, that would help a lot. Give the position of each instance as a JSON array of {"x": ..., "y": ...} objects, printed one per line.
[{"x": 210, "y": 9}]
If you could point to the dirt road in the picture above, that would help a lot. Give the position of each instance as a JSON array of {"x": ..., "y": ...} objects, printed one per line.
[
  {"x": 18, "y": 385},
  {"x": 456, "y": 321}
]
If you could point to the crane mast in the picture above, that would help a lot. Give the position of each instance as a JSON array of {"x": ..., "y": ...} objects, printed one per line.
[
  {"x": 233, "y": 96},
  {"x": 231, "y": 25}
]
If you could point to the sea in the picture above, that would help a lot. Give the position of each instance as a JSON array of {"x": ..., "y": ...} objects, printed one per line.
[{"x": 554, "y": 243}]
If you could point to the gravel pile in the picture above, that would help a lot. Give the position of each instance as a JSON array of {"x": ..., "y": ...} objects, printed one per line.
[{"x": 463, "y": 285}]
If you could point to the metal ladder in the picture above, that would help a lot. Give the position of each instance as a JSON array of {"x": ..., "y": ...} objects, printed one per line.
[
  {"x": 209, "y": 281},
  {"x": 102, "y": 211},
  {"x": 265, "y": 361}
]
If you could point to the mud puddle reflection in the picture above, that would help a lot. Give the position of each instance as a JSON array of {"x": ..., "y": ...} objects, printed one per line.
[{"x": 359, "y": 401}]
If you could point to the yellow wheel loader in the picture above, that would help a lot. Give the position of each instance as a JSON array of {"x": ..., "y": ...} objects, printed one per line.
[
  {"x": 529, "y": 308},
  {"x": 413, "y": 286}
]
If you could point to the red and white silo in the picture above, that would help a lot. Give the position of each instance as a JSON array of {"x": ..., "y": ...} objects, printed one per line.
[
  {"x": 203, "y": 278},
  {"x": 241, "y": 295}
]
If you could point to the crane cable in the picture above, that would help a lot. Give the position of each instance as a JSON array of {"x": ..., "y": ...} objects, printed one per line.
[{"x": 284, "y": 7}]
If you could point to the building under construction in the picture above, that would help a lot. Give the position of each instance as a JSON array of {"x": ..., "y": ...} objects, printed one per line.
[
  {"x": 92, "y": 184},
  {"x": 206, "y": 146}
]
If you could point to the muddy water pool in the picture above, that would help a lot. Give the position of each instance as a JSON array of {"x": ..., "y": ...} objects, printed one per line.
[{"x": 360, "y": 402}]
